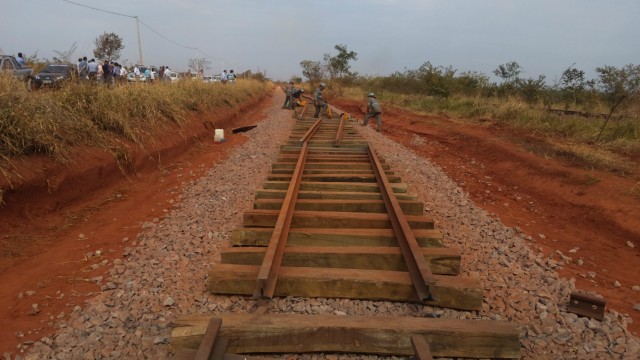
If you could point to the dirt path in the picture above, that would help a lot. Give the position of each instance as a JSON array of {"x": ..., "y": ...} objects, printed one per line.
[
  {"x": 587, "y": 215},
  {"x": 570, "y": 207}
]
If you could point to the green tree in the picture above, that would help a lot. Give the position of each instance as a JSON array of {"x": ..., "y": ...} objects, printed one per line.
[
  {"x": 108, "y": 46},
  {"x": 619, "y": 82},
  {"x": 573, "y": 82},
  {"x": 338, "y": 66},
  {"x": 532, "y": 89},
  {"x": 509, "y": 73},
  {"x": 312, "y": 70}
]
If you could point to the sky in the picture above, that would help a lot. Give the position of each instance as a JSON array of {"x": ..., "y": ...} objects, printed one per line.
[{"x": 545, "y": 37}]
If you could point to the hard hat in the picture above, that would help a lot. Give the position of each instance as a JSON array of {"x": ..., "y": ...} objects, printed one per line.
[
  {"x": 301, "y": 90},
  {"x": 322, "y": 85},
  {"x": 371, "y": 95}
]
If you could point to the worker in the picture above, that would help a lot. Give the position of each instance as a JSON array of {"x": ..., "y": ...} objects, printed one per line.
[
  {"x": 295, "y": 97},
  {"x": 287, "y": 96},
  {"x": 319, "y": 104},
  {"x": 373, "y": 111}
]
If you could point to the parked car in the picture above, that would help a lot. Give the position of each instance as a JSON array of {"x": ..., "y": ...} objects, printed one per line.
[
  {"x": 53, "y": 75},
  {"x": 131, "y": 77},
  {"x": 207, "y": 79},
  {"x": 174, "y": 76},
  {"x": 9, "y": 64}
]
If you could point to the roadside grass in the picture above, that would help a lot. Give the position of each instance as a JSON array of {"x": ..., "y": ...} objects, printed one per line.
[
  {"x": 570, "y": 137},
  {"x": 56, "y": 122}
]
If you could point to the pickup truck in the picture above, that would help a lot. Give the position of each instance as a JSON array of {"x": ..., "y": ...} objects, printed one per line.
[{"x": 9, "y": 64}]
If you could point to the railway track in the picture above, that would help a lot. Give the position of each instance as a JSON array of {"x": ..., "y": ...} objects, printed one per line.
[{"x": 333, "y": 220}]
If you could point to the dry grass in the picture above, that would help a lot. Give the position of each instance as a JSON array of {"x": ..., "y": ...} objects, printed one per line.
[
  {"x": 570, "y": 137},
  {"x": 57, "y": 122}
]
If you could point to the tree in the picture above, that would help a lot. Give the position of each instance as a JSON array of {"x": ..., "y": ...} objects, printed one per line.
[
  {"x": 338, "y": 66},
  {"x": 508, "y": 72},
  {"x": 312, "y": 70},
  {"x": 65, "y": 56},
  {"x": 532, "y": 89},
  {"x": 619, "y": 82},
  {"x": 108, "y": 46},
  {"x": 573, "y": 82},
  {"x": 199, "y": 64}
]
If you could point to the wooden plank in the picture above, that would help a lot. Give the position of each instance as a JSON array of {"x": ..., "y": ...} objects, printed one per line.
[
  {"x": 363, "y": 165},
  {"x": 379, "y": 335},
  {"x": 448, "y": 291},
  {"x": 358, "y": 178},
  {"x": 333, "y": 237},
  {"x": 442, "y": 261},
  {"x": 335, "y": 195},
  {"x": 328, "y": 219},
  {"x": 334, "y": 186},
  {"x": 409, "y": 207}
]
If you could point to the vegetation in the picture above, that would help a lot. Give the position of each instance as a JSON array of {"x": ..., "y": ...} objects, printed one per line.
[
  {"x": 108, "y": 46},
  {"x": 57, "y": 122}
]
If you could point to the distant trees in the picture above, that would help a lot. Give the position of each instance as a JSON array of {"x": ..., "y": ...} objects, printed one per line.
[
  {"x": 198, "y": 64},
  {"x": 108, "y": 46},
  {"x": 338, "y": 66},
  {"x": 312, "y": 70},
  {"x": 619, "y": 82}
]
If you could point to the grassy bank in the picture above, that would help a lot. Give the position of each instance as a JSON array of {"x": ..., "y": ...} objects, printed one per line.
[
  {"x": 571, "y": 137},
  {"x": 56, "y": 122}
]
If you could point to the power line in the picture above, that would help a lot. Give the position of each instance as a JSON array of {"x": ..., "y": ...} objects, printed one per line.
[
  {"x": 148, "y": 27},
  {"x": 94, "y": 8},
  {"x": 166, "y": 38}
]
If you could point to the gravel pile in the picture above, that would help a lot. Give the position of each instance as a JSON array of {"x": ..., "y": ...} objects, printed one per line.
[{"x": 164, "y": 273}]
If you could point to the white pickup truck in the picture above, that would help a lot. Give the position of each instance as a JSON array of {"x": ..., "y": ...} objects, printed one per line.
[{"x": 9, "y": 64}]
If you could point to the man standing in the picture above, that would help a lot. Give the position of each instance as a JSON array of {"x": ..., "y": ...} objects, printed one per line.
[
  {"x": 318, "y": 103},
  {"x": 20, "y": 60},
  {"x": 223, "y": 77},
  {"x": 373, "y": 111},
  {"x": 93, "y": 69},
  {"x": 82, "y": 68},
  {"x": 287, "y": 96}
]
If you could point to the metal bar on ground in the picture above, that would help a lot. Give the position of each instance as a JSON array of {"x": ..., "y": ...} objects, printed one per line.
[
  {"x": 268, "y": 275},
  {"x": 339, "y": 134},
  {"x": 311, "y": 131},
  {"x": 212, "y": 344},
  {"x": 418, "y": 268},
  {"x": 586, "y": 305},
  {"x": 420, "y": 345}
]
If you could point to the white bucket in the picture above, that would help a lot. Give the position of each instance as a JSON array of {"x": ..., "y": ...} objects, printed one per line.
[{"x": 218, "y": 136}]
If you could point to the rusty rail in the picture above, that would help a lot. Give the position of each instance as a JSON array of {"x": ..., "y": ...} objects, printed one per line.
[
  {"x": 338, "y": 139},
  {"x": 268, "y": 275},
  {"x": 312, "y": 130},
  {"x": 419, "y": 270},
  {"x": 212, "y": 346}
]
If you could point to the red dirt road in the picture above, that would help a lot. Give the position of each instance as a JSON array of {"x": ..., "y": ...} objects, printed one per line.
[{"x": 590, "y": 210}]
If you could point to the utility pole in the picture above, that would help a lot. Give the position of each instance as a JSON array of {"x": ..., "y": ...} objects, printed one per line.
[{"x": 139, "y": 43}]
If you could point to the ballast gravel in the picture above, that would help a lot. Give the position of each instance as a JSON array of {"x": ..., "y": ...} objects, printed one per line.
[{"x": 163, "y": 274}]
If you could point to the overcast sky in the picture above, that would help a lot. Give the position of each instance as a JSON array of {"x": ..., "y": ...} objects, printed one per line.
[{"x": 543, "y": 36}]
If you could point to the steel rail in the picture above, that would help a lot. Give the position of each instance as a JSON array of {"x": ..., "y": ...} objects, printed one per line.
[
  {"x": 312, "y": 130},
  {"x": 418, "y": 268},
  {"x": 268, "y": 275},
  {"x": 338, "y": 139}
]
